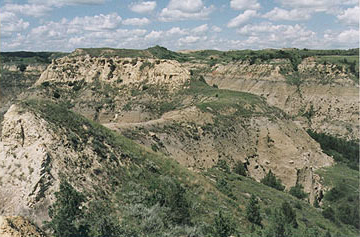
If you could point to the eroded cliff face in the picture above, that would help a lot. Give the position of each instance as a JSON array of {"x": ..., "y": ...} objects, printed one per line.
[
  {"x": 148, "y": 100},
  {"x": 321, "y": 97},
  {"x": 195, "y": 140},
  {"x": 192, "y": 136},
  {"x": 16, "y": 226},
  {"x": 116, "y": 70},
  {"x": 35, "y": 154},
  {"x": 15, "y": 80}
]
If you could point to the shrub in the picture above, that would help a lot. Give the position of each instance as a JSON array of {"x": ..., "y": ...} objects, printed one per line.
[
  {"x": 335, "y": 193},
  {"x": 340, "y": 149},
  {"x": 253, "y": 211},
  {"x": 289, "y": 214},
  {"x": 101, "y": 220},
  {"x": 278, "y": 226},
  {"x": 240, "y": 169},
  {"x": 271, "y": 181},
  {"x": 298, "y": 191},
  {"x": 222, "y": 186},
  {"x": 22, "y": 67},
  {"x": 145, "y": 64},
  {"x": 329, "y": 213},
  {"x": 45, "y": 84},
  {"x": 66, "y": 213},
  {"x": 56, "y": 95},
  {"x": 222, "y": 165},
  {"x": 349, "y": 214},
  {"x": 223, "y": 226}
]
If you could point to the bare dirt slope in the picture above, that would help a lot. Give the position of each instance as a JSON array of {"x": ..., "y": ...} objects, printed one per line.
[{"x": 15, "y": 226}]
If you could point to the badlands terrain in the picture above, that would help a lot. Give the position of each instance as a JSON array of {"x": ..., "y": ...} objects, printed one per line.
[{"x": 195, "y": 143}]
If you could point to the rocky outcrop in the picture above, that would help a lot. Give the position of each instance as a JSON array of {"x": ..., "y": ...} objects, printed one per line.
[
  {"x": 321, "y": 97},
  {"x": 116, "y": 70},
  {"x": 17, "y": 226},
  {"x": 36, "y": 153}
]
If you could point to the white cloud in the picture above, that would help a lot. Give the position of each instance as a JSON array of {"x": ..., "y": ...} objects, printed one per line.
[
  {"x": 60, "y": 3},
  {"x": 136, "y": 21},
  {"x": 189, "y": 40},
  {"x": 343, "y": 39},
  {"x": 153, "y": 35},
  {"x": 185, "y": 10},
  {"x": 200, "y": 29},
  {"x": 350, "y": 16},
  {"x": 242, "y": 18},
  {"x": 10, "y": 24},
  {"x": 143, "y": 7},
  {"x": 69, "y": 34},
  {"x": 270, "y": 35},
  {"x": 186, "y": 5},
  {"x": 216, "y": 29},
  {"x": 278, "y": 14},
  {"x": 318, "y": 5},
  {"x": 176, "y": 31},
  {"x": 96, "y": 23},
  {"x": 27, "y": 9},
  {"x": 244, "y": 4}
]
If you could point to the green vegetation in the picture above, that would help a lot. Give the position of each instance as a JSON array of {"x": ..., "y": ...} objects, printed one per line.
[
  {"x": 137, "y": 192},
  {"x": 23, "y": 58},
  {"x": 271, "y": 181},
  {"x": 240, "y": 169},
  {"x": 283, "y": 222},
  {"x": 341, "y": 150},
  {"x": 153, "y": 195},
  {"x": 223, "y": 226},
  {"x": 66, "y": 213},
  {"x": 349, "y": 62},
  {"x": 221, "y": 101},
  {"x": 253, "y": 211},
  {"x": 341, "y": 202},
  {"x": 298, "y": 191}
]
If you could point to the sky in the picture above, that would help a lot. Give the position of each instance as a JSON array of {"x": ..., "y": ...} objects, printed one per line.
[{"x": 64, "y": 25}]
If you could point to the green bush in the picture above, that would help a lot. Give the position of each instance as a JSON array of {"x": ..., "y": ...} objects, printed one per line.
[
  {"x": 223, "y": 226},
  {"x": 348, "y": 213},
  {"x": 340, "y": 149},
  {"x": 222, "y": 165},
  {"x": 271, "y": 181},
  {"x": 298, "y": 191},
  {"x": 329, "y": 213},
  {"x": 289, "y": 214},
  {"x": 335, "y": 193},
  {"x": 101, "y": 220},
  {"x": 222, "y": 186},
  {"x": 282, "y": 222},
  {"x": 253, "y": 211},
  {"x": 240, "y": 169},
  {"x": 66, "y": 213}
]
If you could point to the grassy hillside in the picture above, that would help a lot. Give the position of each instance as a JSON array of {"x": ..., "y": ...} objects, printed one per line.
[
  {"x": 24, "y": 57},
  {"x": 146, "y": 193}
]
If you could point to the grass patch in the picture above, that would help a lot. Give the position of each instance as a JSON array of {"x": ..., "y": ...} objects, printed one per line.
[{"x": 226, "y": 102}]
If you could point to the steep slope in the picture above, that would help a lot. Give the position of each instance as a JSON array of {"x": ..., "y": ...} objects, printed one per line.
[
  {"x": 18, "y": 72},
  {"x": 50, "y": 144},
  {"x": 321, "y": 97},
  {"x": 11, "y": 226},
  {"x": 191, "y": 138},
  {"x": 157, "y": 104}
]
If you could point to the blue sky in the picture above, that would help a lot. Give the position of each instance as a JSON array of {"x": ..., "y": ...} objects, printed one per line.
[{"x": 64, "y": 25}]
